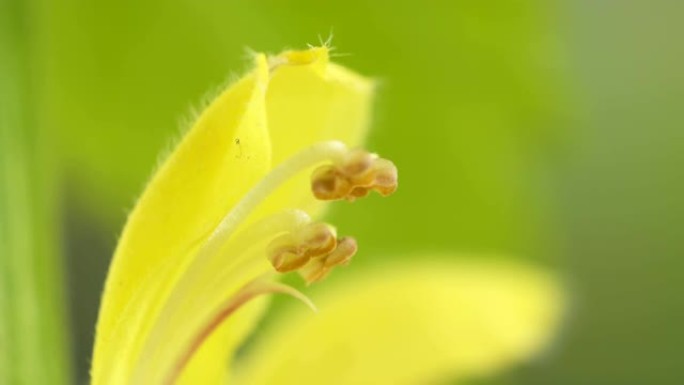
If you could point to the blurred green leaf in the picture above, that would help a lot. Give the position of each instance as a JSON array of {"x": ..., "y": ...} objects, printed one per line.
[{"x": 33, "y": 348}]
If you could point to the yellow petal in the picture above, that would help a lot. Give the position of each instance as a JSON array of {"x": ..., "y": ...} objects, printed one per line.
[
  {"x": 203, "y": 178},
  {"x": 412, "y": 324},
  {"x": 311, "y": 100}
]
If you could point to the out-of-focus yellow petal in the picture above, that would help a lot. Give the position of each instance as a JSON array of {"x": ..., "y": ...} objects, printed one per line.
[
  {"x": 311, "y": 100},
  {"x": 411, "y": 324},
  {"x": 220, "y": 158}
]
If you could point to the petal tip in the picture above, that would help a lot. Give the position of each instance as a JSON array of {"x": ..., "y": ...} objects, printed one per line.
[{"x": 317, "y": 57}]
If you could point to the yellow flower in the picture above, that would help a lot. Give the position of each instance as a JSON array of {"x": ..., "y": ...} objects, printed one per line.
[{"x": 238, "y": 201}]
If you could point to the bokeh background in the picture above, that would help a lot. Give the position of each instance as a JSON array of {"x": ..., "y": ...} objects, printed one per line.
[{"x": 550, "y": 131}]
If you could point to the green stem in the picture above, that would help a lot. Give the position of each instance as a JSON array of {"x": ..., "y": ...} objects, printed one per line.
[{"x": 33, "y": 347}]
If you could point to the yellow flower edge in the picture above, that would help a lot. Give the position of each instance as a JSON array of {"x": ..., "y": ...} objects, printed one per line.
[
  {"x": 287, "y": 103},
  {"x": 417, "y": 321}
]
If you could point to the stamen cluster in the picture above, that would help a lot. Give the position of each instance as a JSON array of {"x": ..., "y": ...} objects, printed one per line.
[
  {"x": 354, "y": 176},
  {"x": 312, "y": 250}
]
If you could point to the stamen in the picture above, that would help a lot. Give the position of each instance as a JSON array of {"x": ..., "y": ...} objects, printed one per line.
[
  {"x": 293, "y": 250},
  {"x": 312, "y": 251},
  {"x": 342, "y": 255},
  {"x": 319, "y": 268},
  {"x": 354, "y": 176}
]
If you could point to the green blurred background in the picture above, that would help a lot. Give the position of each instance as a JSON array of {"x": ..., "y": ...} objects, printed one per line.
[{"x": 547, "y": 131}]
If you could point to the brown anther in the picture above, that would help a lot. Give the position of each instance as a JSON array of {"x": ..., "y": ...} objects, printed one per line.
[
  {"x": 357, "y": 192},
  {"x": 291, "y": 251},
  {"x": 357, "y": 162},
  {"x": 314, "y": 271},
  {"x": 354, "y": 177},
  {"x": 288, "y": 260},
  {"x": 346, "y": 248},
  {"x": 318, "y": 239},
  {"x": 386, "y": 178},
  {"x": 313, "y": 251},
  {"x": 327, "y": 183},
  {"x": 319, "y": 268},
  {"x": 284, "y": 255}
]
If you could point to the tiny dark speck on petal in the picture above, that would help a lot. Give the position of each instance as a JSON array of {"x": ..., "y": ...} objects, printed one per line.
[{"x": 237, "y": 143}]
